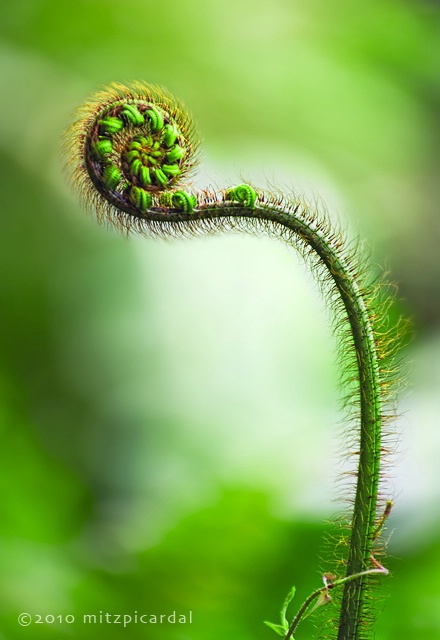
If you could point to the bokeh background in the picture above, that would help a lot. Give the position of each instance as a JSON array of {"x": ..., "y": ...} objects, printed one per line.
[{"x": 170, "y": 426}]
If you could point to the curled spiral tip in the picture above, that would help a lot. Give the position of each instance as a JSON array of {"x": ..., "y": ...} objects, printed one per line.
[
  {"x": 131, "y": 150},
  {"x": 243, "y": 194}
]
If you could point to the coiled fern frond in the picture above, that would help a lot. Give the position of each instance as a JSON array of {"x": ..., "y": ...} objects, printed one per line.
[{"x": 131, "y": 153}]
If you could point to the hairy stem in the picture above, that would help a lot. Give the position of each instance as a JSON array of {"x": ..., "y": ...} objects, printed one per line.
[{"x": 364, "y": 512}]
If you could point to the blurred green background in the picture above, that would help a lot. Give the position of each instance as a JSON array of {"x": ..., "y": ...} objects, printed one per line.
[{"x": 169, "y": 411}]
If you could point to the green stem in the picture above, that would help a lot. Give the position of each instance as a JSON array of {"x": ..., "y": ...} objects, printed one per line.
[
  {"x": 364, "y": 512},
  {"x": 336, "y": 583}
]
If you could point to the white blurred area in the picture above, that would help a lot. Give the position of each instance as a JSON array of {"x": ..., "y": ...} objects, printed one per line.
[{"x": 247, "y": 358}]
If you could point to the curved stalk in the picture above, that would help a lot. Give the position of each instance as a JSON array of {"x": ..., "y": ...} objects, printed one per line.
[
  {"x": 324, "y": 591},
  {"x": 364, "y": 512}
]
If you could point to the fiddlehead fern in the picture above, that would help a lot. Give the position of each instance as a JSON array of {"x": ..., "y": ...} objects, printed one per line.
[{"x": 130, "y": 153}]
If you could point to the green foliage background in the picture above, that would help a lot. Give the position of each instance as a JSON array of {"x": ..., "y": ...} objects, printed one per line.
[{"x": 169, "y": 411}]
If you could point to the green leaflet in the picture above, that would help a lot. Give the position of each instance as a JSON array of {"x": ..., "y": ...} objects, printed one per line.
[{"x": 283, "y": 628}]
